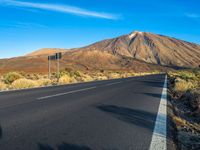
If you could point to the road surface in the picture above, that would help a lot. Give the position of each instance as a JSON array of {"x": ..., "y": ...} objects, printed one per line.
[{"x": 115, "y": 114}]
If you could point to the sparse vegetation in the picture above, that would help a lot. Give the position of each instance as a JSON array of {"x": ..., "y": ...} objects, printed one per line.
[
  {"x": 23, "y": 83},
  {"x": 44, "y": 82},
  {"x": 185, "y": 96},
  {"x": 11, "y": 77},
  {"x": 182, "y": 85},
  {"x": 2, "y": 86},
  {"x": 16, "y": 80},
  {"x": 66, "y": 79}
]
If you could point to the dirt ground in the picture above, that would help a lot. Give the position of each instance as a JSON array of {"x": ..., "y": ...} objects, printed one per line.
[{"x": 185, "y": 116}]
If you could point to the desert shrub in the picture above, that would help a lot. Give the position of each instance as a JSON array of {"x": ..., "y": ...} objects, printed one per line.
[
  {"x": 197, "y": 74},
  {"x": 77, "y": 73},
  {"x": 193, "y": 98},
  {"x": 66, "y": 79},
  {"x": 101, "y": 77},
  {"x": 182, "y": 85},
  {"x": 23, "y": 83},
  {"x": 2, "y": 86},
  {"x": 33, "y": 76},
  {"x": 11, "y": 77},
  {"x": 62, "y": 73},
  {"x": 128, "y": 74},
  {"x": 186, "y": 75},
  {"x": 43, "y": 82},
  {"x": 54, "y": 81},
  {"x": 179, "y": 121},
  {"x": 113, "y": 75},
  {"x": 86, "y": 78}
]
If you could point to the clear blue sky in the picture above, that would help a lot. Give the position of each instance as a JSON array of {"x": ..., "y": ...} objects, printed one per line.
[{"x": 30, "y": 25}]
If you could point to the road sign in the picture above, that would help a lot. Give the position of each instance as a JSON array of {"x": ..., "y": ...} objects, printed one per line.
[
  {"x": 55, "y": 57},
  {"x": 52, "y": 57},
  {"x": 58, "y": 55}
]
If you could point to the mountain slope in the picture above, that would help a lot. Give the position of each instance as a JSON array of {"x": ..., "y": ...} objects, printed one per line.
[
  {"x": 46, "y": 51},
  {"x": 138, "y": 51},
  {"x": 77, "y": 60},
  {"x": 151, "y": 48}
]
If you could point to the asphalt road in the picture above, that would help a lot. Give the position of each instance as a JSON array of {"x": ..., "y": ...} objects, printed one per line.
[{"x": 115, "y": 114}]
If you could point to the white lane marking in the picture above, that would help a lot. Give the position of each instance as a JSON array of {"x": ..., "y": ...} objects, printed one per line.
[
  {"x": 113, "y": 83},
  {"x": 60, "y": 94},
  {"x": 159, "y": 141}
]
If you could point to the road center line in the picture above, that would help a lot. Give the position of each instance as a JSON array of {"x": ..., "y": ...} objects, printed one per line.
[
  {"x": 60, "y": 94},
  {"x": 159, "y": 141},
  {"x": 113, "y": 83}
]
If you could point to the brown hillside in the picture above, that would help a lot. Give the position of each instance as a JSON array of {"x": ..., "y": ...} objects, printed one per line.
[
  {"x": 76, "y": 60},
  {"x": 152, "y": 48},
  {"x": 138, "y": 51},
  {"x": 46, "y": 51}
]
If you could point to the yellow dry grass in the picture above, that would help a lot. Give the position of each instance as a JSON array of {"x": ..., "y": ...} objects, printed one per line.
[
  {"x": 43, "y": 82},
  {"x": 66, "y": 79},
  {"x": 179, "y": 121},
  {"x": 183, "y": 85},
  {"x": 18, "y": 81},
  {"x": 2, "y": 86},
  {"x": 23, "y": 83}
]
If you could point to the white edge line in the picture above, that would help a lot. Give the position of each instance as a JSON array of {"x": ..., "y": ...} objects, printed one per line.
[
  {"x": 159, "y": 141},
  {"x": 60, "y": 94}
]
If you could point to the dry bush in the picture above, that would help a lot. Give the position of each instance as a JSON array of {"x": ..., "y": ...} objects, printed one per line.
[
  {"x": 43, "y": 82},
  {"x": 66, "y": 79},
  {"x": 113, "y": 75},
  {"x": 86, "y": 78},
  {"x": 23, "y": 83},
  {"x": 129, "y": 74},
  {"x": 179, "y": 121},
  {"x": 34, "y": 76},
  {"x": 77, "y": 73},
  {"x": 81, "y": 76},
  {"x": 63, "y": 73},
  {"x": 195, "y": 101},
  {"x": 11, "y": 77},
  {"x": 192, "y": 99},
  {"x": 101, "y": 78},
  {"x": 186, "y": 75},
  {"x": 182, "y": 85},
  {"x": 2, "y": 86}
]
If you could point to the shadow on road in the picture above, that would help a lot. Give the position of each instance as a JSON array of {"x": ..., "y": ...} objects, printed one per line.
[
  {"x": 1, "y": 132},
  {"x": 131, "y": 116},
  {"x": 63, "y": 146},
  {"x": 158, "y": 84},
  {"x": 137, "y": 117},
  {"x": 153, "y": 95}
]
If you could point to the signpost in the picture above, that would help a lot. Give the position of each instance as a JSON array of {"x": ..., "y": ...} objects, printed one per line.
[{"x": 57, "y": 57}]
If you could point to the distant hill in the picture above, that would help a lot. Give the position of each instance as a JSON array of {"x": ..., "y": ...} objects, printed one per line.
[
  {"x": 138, "y": 51},
  {"x": 46, "y": 51}
]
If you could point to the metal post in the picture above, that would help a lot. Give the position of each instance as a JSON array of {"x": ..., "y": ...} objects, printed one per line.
[
  {"x": 58, "y": 69},
  {"x": 49, "y": 65}
]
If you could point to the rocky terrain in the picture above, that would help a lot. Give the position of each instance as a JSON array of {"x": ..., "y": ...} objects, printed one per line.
[
  {"x": 184, "y": 94},
  {"x": 151, "y": 48}
]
